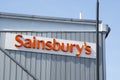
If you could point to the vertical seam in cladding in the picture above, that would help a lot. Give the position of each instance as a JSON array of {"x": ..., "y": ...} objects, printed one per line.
[
  {"x": 21, "y": 69},
  {"x": 50, "y": 61},
  {"x": 94, "y": 37},
  {"x": 84, "y": 58},
  {"x": 89, "y": 67},
  {"x": 35, "y": 59},
  {"x": 70, "y": 66},
  {"x": 26, "y": 57},
  {"x": 50, "y": 66},
  {"x": 65, "y": 60},
  {"x": 45, "y": 65},
  {"x": 16, "y": 68},
  {"x": 40, "y": 64},
  {"x": 85, "y": 68},
  {"x": 4, "y": 67},
  {"x": 83, "y": 36},
  {"x": 19, "y": 60},
  {"x": 25, "y": 60},
  {"x": 46, "y": 60},
  {"x": 70, "y": 58},
  {"x": 10, "y": 68},
  {"x": 25, "y": 64},
  {"x": 65, "y": 67},
  {"x": 75, "y": 68},
  {"x": 103, "y": 73},
  {"x": 89, "y": 36},
  {"x": 56, "y": 61},
  {"x": 80, "y": 67},
  {"x": 21, "y": 73},
  {"x": 30, "y": 56},
  {"x": 88, "y": 58},
  {"x": 35, "y": 63},
  {"x": 14, "y": 56},
  {"x": 75, "y": 58},
  {"x": 60, "y": 58},
  {"x": 60, "y": 65},
  {"x": 20, "y": 63},
  {"x": 30, "y": 61},
  {"x": 42, "y": 34},
  {"x": 95, "y": 70},
  {"x": 15, "y": 65},
  {"x": 80, "y": 36},
  {"x": 61, "y": 62}
]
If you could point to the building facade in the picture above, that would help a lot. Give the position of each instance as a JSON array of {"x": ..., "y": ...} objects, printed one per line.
[{"x": 50, "y": 64}]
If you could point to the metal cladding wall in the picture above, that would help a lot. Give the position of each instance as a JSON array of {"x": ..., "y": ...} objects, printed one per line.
[{"x": 47, "y": 66}]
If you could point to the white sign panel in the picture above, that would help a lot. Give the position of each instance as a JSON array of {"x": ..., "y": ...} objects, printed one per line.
[{"x": 50, "y": 45}]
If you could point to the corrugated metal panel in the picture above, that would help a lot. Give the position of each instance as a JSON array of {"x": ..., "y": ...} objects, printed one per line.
[{"x": 49, "y": 66}]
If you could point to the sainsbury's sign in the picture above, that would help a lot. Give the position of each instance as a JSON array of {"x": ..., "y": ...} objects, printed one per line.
[{"x": 49, "y": 45}]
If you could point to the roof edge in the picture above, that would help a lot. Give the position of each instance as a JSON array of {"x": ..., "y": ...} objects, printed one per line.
[{"x": 32, "y": 17}]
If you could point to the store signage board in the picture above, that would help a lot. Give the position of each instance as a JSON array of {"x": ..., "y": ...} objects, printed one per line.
[{"x": 40, "y": 44}]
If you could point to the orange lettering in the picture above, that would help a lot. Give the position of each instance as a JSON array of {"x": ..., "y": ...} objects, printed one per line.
[
  {"x": 34, "y": 42},
  {"x": 71, "y": 47},
  {"x": 17, "y": 38},
  {"x": 28, "y": 43},
  {"x": 79, "y": 50},
  {"x": 49, "y": 45},
  {"x": 56, "y": 45},
  {"x": 88, "y": 50},
  {"x": 38, "y": 44},
  {"x": 63, "y": 47}
]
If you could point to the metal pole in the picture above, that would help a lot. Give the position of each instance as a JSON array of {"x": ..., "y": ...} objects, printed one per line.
[{"x": 97, "y": 40}]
